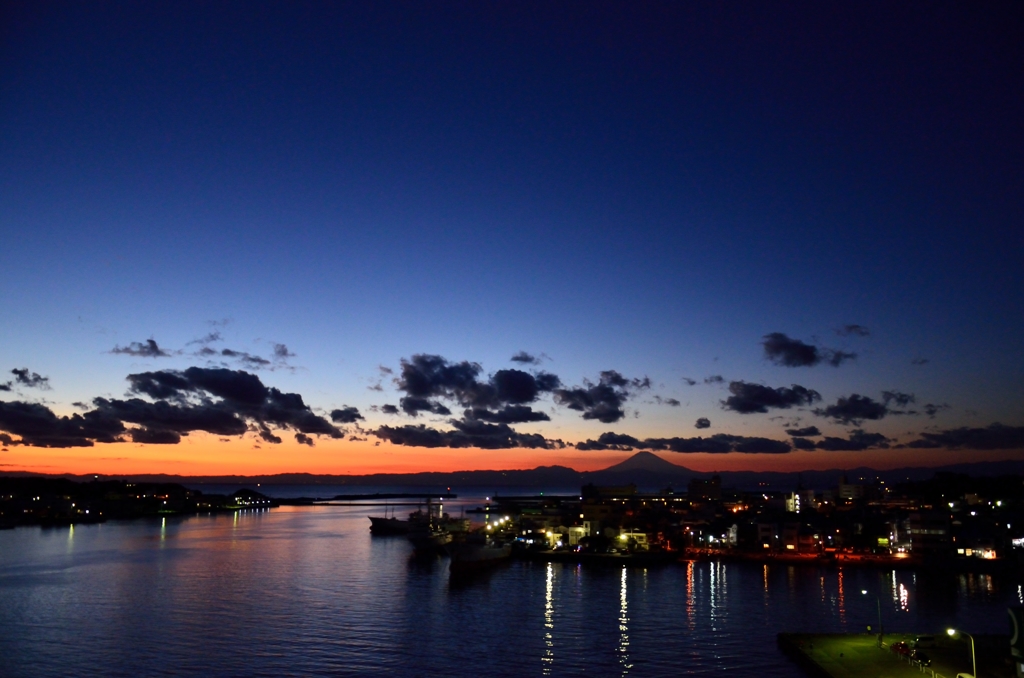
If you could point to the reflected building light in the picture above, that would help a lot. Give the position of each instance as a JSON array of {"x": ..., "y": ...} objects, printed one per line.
[
  {"x": 163, "y": 529},
  {"x": 842, "y": 599},
  {"x": 1020, "y": 594},
  {"x": 714, "y": 576},
  {"x": 623, "y": 627},
  {"x": 549, "y": 622},
  {"x": 691, "y": 605},
  {"x": 904, "y": 598}
]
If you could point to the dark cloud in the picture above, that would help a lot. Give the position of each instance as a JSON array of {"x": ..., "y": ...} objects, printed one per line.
[
  {"x": 215, "y": 418},
  {"x": 602, "y": 401},
  {"x": 466, "y": 434},
  {"x": 854, "y": 409},
  {"x": 266, "y": 434},
  {"x": 714, "y": 379},
  {"x": 919, "y": 361},
  {"x": 803, "y": 444},
  {"x": 525, "y": 358},
  {"x": 749, "y": 398},
  {"x": 150, "y": 436},
  {"x": 671, "y": 402},
  {"x": 208, "y": 339},
  {"x": 389, "y": 409},
  {"x": 610, "y": 441},
  {"x": 900, "y": 399},
  {"x": 993, "y": 437},
  {"x": 236, "y": 386},
  {"x": 146, "y": 349},
  {"x": 6, "y": 439},
  {"x": 6, "y": 386},
  {"x": 510, "y": 414},
  {"x": 413, "y": 406},
  {"x": 782, "y": 350},
  {"x": 857, "y": 440},
  {"x": 303, "y": 439},
  {"x": 431, "y": 376},
  {"x": 385, "y": 371},
  {"x": 703, "y": 422},
  {"x": 719, "y": 443},
  {"x": 931, "y": 409},
  {"x": 804, "y": 432},
  {"x": 346, "y": 415},
  {"x": 30, "y": 379},
  {"x": 253, "y": 362},
  {"x": 517, "y": 387},
  {"x": 689, "y": 382},
  {"x": 356, "y": 439},
  {"x": 853, "y": 330},
  {"x": 38, "y": 426},
  {"x": 281, "y": 352},
  {"x": 218, "y": 401}
]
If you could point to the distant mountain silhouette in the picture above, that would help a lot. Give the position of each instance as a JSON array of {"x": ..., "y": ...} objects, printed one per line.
[
  {"x": 647, "y": 471},
  {"x": 647, "y": 461}
]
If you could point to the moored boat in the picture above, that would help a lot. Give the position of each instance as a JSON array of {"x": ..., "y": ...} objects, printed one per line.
[
  {"x": 468, "y": 557},
  {"x": 389, "y": 525}
]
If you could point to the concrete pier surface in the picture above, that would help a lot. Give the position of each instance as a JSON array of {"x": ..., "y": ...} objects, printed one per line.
[{"x": 859, "y": 656}]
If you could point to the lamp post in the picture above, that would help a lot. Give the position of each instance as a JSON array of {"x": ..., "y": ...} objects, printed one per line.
[
  {"x": 954, "y": 633},
  {"x": 878, "y": 603}
]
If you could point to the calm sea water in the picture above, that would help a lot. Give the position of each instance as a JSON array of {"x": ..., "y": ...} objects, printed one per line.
[{"x": 308, "y": 591}]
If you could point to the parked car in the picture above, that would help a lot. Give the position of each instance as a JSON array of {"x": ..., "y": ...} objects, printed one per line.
[
  {"x": 900, "y": 648},
  {"x": 920, "y": 657}
]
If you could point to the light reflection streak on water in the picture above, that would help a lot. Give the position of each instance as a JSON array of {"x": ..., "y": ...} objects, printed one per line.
[
  {"x": 691, "y": 604},
  {"x": 712, "y": 571},
  {"x": 904, "y": 598},
  {"x": 163, "y": 528},
  {"x": 623, "y": 627},
  {"x": 1020, "y": 593},
  {"x": 842, "y": 599},
  {"x": 549, "y": 621},
  {"x": 333, "y": 600}
]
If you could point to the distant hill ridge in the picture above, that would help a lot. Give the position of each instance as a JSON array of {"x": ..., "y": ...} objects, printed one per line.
[{"x": 647, "y": 470}]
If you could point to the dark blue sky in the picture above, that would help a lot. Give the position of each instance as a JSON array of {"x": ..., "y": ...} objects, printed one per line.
[{"x": 646, "y": 189}]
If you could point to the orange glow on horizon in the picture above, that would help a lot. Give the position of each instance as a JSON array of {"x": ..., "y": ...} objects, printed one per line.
[{"x": 206, "y": 455}]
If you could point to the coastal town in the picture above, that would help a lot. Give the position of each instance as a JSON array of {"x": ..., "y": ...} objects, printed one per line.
[
  {"x": 953, "y": 519},
  {"x": 959, "y": 521}
]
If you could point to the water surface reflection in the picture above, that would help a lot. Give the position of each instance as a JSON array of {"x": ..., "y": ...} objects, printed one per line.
[{"x": 308, "y": 591}]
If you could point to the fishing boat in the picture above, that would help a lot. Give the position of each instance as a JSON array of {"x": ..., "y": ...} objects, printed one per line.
[
  {"x": 476, "y": 554},
  {"x": 392, "y": 525},
  {"x": 429, "y": 539}
]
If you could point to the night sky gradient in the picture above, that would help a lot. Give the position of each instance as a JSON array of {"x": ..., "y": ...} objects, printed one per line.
[{"x": 245, "y": 237}]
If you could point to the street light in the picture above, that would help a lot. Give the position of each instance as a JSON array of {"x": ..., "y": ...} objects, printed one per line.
[
  {"x": 878, "y": 602},
  {"x": 954, "y": 633}
]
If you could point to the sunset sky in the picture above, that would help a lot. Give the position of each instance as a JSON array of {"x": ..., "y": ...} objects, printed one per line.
[{"x": 247, "y": 238}]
